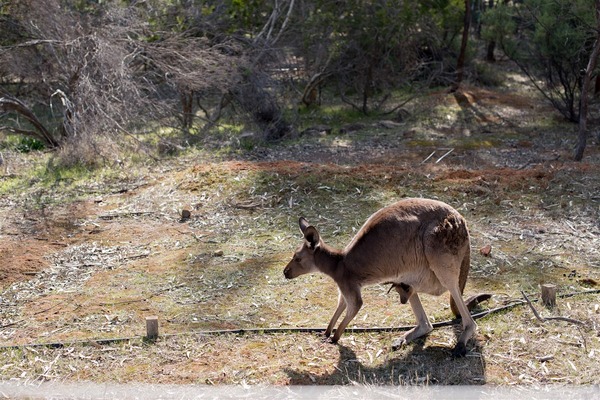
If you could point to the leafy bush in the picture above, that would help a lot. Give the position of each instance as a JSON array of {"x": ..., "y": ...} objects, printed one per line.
[
  {"x": 27, "y": 144},
  {"x": 368, "y": 49},
  {"x": 551, "y": 42}
]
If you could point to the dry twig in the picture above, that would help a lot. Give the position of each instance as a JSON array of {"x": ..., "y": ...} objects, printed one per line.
[{"x": 545, "y": 319}]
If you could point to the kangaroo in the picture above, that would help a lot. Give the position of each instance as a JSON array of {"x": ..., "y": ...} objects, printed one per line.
[{"x": 417, "y": 245}]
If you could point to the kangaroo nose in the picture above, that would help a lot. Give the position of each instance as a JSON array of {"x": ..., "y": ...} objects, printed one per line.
[{"x": 286, "y": 273}]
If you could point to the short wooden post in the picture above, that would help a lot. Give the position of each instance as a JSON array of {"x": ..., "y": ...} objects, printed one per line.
[
  {"x": 151, "y": 328},
  {"x": 185, "y": 214},
  {"x": 549, "y": 295}
]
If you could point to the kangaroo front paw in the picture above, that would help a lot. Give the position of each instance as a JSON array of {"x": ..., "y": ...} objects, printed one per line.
[{"x": 329, "y": 340}]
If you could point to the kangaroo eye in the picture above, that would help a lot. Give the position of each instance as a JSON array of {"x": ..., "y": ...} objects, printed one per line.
[{"x": 297, "y": 259}]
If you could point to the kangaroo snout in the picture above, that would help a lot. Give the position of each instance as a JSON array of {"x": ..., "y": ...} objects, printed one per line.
[
  {"x": 292, "y": 270},
  {"x": 287, "y": 272}
]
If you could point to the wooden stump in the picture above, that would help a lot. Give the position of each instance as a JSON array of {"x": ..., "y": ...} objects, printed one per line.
[
  {"x": 152, "y": 328},
  {"x": 186, "y": 214},
  {"x": 549, "y": 295}
]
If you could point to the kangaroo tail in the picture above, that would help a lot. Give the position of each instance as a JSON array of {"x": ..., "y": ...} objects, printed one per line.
[{"x": 462, "y": 280}]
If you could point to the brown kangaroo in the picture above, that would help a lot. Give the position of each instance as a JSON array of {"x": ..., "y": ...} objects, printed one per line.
[{"x": 417, "y": 245}]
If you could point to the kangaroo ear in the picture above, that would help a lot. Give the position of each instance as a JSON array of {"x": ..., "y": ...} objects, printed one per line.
[
  {"x": 312, "y": 237},
  {"x": 303, "y": 224}
]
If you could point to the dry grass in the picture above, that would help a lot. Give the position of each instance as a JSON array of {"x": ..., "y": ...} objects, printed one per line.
[{"x": 107, "y": 256}]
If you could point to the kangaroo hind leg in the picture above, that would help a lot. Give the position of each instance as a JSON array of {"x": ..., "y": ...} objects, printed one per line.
[
  {"x": 447, "y": 270},
  {"x": 423, "y": 325},
  {"x": 468, "y": 324}
]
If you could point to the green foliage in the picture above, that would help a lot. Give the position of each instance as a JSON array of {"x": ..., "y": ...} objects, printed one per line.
[
  {"x": 562, "y": 30},
  {"x": 247, "y": 14},
  {"x": 370, "y": 48},
  {"x": 27, "y": 144},
  {"x": 486, "y": 75},
  {"x": 551, "y": 41},
  {"x": 203, "y": 16},
  {"x": 22, "y": 144},
  {"x": 500, "y": 26},
  {"x": 57, "y": 174},
  {"x": 333, "y": 115}
]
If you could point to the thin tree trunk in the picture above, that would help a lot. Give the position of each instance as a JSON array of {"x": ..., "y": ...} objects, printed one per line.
[
  {"x": 491, "y": 47},
  {"x": 489, "y": 57},
  {"x": 187, "y": 105},
  {"x": 460, "y": 65},
  {"x": 583, "y": 105}
]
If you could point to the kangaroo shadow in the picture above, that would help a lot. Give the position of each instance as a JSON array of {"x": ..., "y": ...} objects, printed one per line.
[{"x": 414, "y": 364}]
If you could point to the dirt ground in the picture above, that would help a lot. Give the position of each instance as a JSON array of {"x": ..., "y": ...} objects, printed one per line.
[
  {"x": 93, "y": 261},
  {"x": 29, "y": 235}
]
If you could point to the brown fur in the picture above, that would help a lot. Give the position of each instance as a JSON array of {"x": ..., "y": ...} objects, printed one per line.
[{"x": 417, "y": 245}]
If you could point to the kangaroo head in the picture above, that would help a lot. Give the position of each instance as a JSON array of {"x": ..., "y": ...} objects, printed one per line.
[{"x": 303, "y": 261}]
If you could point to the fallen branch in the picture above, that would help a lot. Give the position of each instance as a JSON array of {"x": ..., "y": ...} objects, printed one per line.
[
  {"x": 545, "y": 319},
  {"x": 428, "y": 157},
  {"x": 445, "y": 154},
  {"x": 8, "y": 325},
  {"x": 141, "y": 299},
  {"x": 448, "y": 151},
  {"x": 124, "y": 214}
]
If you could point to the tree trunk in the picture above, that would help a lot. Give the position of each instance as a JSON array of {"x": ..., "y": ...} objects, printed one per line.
[
  {"x": 460, "y": 65},
  {"x": 489, "y": 56},
  {"x": 187, "y": 105},
  {"x": 583, "y": 105},
  {"x": 491, "y": 47},
  {"x": 311, "y": 95},
  {"x": 367, "y": 88}
]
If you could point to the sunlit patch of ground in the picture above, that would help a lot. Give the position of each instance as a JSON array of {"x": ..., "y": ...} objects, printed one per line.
[{"x": 93, "y": 267}]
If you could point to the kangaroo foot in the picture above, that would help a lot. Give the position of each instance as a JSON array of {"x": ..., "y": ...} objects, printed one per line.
[
  {"x": 331, "y": 341},
  {"x": 328, "y": 339},
  {"x": 460, "y": 350},
  {"x": 414, "y": 333}
]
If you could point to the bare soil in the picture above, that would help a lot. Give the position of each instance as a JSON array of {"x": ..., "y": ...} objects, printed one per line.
[{"x": 83, "y": 264}]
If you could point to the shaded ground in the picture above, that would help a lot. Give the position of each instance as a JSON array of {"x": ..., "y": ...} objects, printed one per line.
[{"x": 91, "y": 261}]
